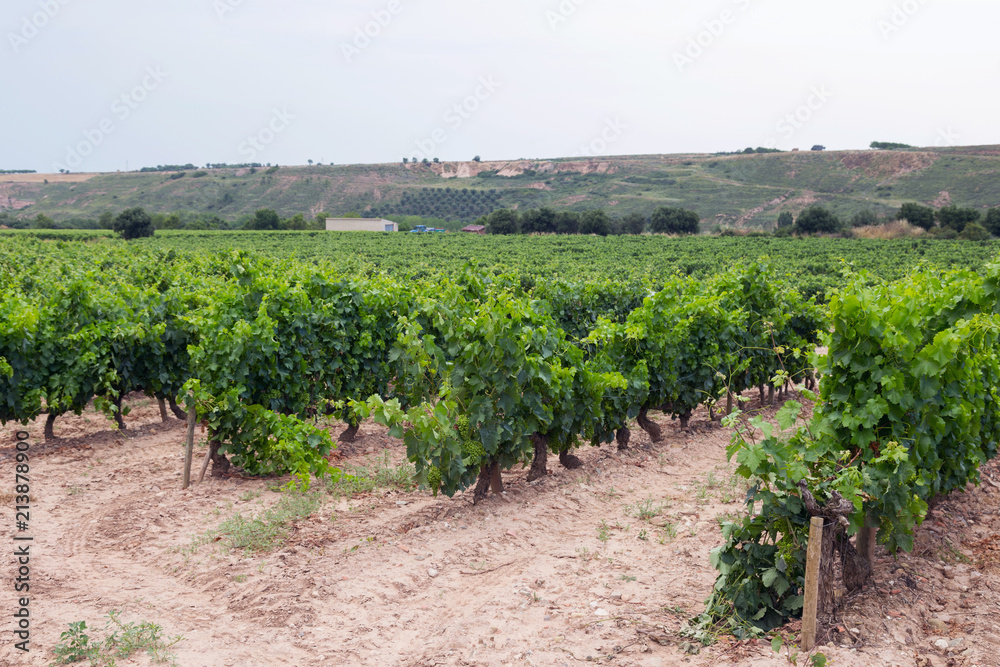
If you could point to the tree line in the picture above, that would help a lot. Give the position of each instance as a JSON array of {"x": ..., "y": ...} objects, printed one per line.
[
  {"x": 544, "y": 220},
  {"x": 948, "y": 222}
]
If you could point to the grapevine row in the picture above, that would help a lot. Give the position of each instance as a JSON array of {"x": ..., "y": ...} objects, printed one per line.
[{"x": 268, "y": 346}]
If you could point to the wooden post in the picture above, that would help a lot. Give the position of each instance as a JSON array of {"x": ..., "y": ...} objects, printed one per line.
[
  {"x": 813, "y": 558},
  {"x": 204, "y": 465},
  {"x": 189, "y": 445}
]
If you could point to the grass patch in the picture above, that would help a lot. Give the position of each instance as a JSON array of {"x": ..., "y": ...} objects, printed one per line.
[
  {"x": 375, "y": 474},
  {"x": 266, "y": 531},
  {"x": 644, "y": 510},
  {"x": 122, "y": 641}
]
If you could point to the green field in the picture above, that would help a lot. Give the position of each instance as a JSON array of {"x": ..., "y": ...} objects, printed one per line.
[{"x": 815, "y": 265}]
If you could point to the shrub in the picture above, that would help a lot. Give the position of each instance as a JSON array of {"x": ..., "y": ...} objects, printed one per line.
[
  {"x": 866, "y": 218},
  {"x": 595, "y": 222},
  {"x": 503, "y": 221},
  {"x": 265, "y": 219},
  {"x": 673, "y": 220},
  {"x": 943, "y": 233},
  {"x": 567, "y": 222},
  {"x": 816, "y": 220},
  {"x": 957, "y": 218},
  {"x": 633, "y": 223},
  {"x": 974, "y": 232},
  {"x": 992, "y": 223},
  {"x": 538, "y": 221},
  {"x": 916, "y": 214},
  {"x": 134, "y": 223}
]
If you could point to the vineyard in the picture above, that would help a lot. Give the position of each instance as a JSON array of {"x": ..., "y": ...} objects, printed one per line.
[{"x": 486, "y": 356}]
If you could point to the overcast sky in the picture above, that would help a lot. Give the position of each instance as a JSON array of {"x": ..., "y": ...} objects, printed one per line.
[{"x": 95, "y": 85}]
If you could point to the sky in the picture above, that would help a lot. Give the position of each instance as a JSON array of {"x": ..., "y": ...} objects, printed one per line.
[{"x": 107, "y": 85}]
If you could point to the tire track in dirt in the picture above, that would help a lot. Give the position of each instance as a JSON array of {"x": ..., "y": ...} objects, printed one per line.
[{"x": 552, "y": 571}]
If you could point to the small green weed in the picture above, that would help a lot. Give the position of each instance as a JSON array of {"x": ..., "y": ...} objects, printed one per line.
[
  {"x": 604, "y": 532},
  {"x": 611, "y": 494},
  {"x": 668, "y": 534},
  {"x": 124, "y": 640},
  {"x": 645, "y": 510}
]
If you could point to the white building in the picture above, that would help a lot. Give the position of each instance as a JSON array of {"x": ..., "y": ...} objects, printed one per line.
[{"x": 360, "y": 225}]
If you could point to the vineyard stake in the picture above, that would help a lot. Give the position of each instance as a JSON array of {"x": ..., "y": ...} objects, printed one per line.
[
  {"x": 813, "y": 557},
  {"x": 204, "y": 465},
  {"x": 189, "y": 445}
]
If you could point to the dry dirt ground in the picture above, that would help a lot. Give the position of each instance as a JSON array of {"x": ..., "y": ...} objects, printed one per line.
[{"x": 559, "y": 572}]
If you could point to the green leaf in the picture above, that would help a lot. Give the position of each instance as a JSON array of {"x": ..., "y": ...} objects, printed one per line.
[{"x": 788, "y": 415}]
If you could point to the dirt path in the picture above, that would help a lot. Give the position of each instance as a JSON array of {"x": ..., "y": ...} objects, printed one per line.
[{"x": 602, "y": 563}]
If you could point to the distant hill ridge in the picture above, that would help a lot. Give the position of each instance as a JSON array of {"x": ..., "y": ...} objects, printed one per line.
[{"x": 739, "y": 190}]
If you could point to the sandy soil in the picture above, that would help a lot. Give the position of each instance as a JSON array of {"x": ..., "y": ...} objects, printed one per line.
[{"x": 558, "y": 572}]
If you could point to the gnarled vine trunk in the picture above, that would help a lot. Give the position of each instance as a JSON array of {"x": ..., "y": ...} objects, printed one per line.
[
  {"x": 160, "y": 401},
  {"x": 50, "y": 427},
  {"x": 119, "y": 420},
  {"x": 350, "y": 434},
  {"x": 622, "y": 437},
  {"x": 685, "y": 419},
  {"x": 856, "y": 569},
  {"x": 569, "y": 461},
  {"x": 489, "y": 478},
  {"x": 539, "y": 462},
  {"x": 220, "y": 464},
  {"x": 649, "y": 426},
  {"x": 180, "y": 414}
]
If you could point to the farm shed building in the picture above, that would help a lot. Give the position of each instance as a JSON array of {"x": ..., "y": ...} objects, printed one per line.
[{"x": 360, "y": 225}]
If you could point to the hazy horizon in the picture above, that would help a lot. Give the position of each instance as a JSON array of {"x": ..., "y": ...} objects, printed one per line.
[{"x": 109, "y": 85}]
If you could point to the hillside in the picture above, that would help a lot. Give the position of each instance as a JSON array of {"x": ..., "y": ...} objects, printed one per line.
[{"x": 744, "y": 191}]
